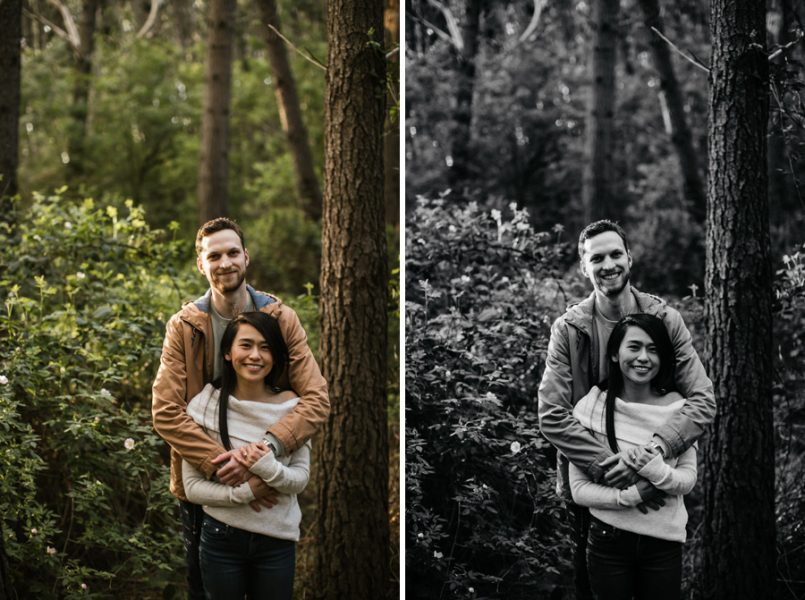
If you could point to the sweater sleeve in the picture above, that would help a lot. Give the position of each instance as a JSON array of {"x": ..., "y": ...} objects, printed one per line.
[
  {"x": 201, "y": 491},
  {"x": 594, "y": 495},
  {"x": 286, "y": 479},
  {"x": 678, "y": 480}
]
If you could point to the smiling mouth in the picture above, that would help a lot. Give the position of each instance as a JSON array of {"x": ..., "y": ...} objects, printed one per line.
[{"x": 611, "y": 276}]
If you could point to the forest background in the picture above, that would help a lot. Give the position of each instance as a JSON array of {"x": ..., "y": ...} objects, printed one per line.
[
  {"x": 99, "y": 254},
  {"x": 524, "y": 120}
]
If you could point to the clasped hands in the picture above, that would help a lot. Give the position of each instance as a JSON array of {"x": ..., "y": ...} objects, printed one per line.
[
  {"x": 235, "y": 470},
  {"x": 620, "y": 471}
]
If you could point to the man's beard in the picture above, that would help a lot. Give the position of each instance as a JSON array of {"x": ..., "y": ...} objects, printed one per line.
[
  {"x": 609, "y": 292},
  {"x": 231, "y": 287}
]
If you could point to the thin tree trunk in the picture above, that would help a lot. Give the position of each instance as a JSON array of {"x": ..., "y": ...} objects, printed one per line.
[
  {"x": 307, "y": 184},
  {"x": 461, "y": 169},
  {"x": 681, "y": 138},
  {"x": 391, "y": 139},
  {"x": 351, "y": 553},
  {"x": 81, "y": 88},
  {"x": 183, "y": 19},
  {"x": 11, "y": 26},
  {"x": 739, "y": 521},
  {"x": 213, "y": 195},
  {"x": 597, "y": 193}
]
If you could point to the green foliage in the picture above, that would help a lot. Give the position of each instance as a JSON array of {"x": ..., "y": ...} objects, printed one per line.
[
  {"x": 85, "y": 293},
  {"x": 482, "y": 515}
]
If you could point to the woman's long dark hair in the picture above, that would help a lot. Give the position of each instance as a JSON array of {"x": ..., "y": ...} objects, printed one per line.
[
  {"x": 269, "y": 328},
  {"x": 662, "y": 383}
]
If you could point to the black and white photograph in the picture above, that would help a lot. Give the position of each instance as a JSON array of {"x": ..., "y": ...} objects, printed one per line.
[{"x": 604, "y": 300}]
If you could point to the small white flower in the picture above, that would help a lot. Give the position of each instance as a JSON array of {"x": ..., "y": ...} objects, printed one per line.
[
  {"x": 50, "y": 550},
  {"x": 80, "y": 275},
  {"x": 3, "y": 380},
  {"x": 437, "y": 554},
  {"x": 515, "y": 447},
  {"x": 471, "y": 590},
  {"x": 106, "y": 393},
  {"x": 68, "y": 225},
  {"x": 34, "y": 531},
  {"x": 128, "y": 444},
  {"x": 84, "y": 586},
  {"x": 465, "y": 279}
]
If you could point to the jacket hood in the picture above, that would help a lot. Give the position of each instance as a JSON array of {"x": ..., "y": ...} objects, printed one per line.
[
  {"x": 196, "y": 312},
  {"x": 580, "y": 315}
]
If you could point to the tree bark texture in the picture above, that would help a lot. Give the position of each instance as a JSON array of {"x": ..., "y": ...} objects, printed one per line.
[
  {"x": 81, "y": 87},
  {"x": 739, "y": 523},
  {"x": 391, "y": 137},
  {"x": 307, "y": 184},
  {"x": 466, "y": 56},
  {"x": 11, "y": 25},
  {"x": 692, "y": 183},
  {"x": 351, "y": 554},
  {"x": 213, "y": 176},
  {"x": 597, "y": 194}
]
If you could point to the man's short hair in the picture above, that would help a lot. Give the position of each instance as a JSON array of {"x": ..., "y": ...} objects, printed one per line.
[
  {"x": 216, "y": 225},
  {"x": 597, "y": 227}
]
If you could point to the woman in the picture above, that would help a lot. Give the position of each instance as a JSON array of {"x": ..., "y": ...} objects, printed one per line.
[
  {"x": 631, "y": 554},
  {"x": 242, "y": 551}
]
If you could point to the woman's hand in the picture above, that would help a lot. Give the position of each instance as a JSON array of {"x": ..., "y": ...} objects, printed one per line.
[
  {"x": 248, "y": 455},
  {"x": 639, "y": 457}
]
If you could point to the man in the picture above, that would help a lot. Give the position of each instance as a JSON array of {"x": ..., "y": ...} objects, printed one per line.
[
  {"x": 576, "y": 361},
  {"x": 191, "y": 358}
]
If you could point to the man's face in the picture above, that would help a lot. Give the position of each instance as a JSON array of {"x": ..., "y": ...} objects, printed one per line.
[
  {"x": 223, "y": 260},
  {"x": 606, "y": 263}
]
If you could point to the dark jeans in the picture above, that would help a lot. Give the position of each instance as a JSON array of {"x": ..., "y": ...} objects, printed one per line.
[
  {"x": 625, "y": 565},
  {"x": 192, "y": 515},
  {"x": 235, "y": 562},
  {"x": 580, "y": 519}
]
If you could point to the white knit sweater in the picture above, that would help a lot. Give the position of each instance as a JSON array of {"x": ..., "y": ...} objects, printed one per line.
[
  {"x": 247, "y": 422},
  {"x": 634, "y": 425}
]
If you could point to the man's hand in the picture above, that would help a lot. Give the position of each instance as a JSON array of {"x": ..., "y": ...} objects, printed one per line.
[
  {"x": 250, "y": 454},
  {"x": 618, "y": 472},
  {"x": 232, "y": 473},
  {"x": 264, "y": 495},
  {"x": 652, "y": 497}
]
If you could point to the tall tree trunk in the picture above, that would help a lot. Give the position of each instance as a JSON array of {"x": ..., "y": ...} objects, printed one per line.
[
  {"x": 597, "y": 193},
  {"x": 391, "y": 139},
  {"x": 351, "y": 554},
  {"x": 81, "y": 88},
  {"x": 461, "y": 168},
  {"x": 681, "y": 138},
  {"x": 11, "y": 26},
  {"x": 307, "y": 184},
  {"x": 781, "y": 186},
  {"x": 739, "y": 523},
  {"x": 213, "y": 174}
]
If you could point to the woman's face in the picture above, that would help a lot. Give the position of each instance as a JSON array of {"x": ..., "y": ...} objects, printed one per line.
[
  {"x": 637, "y": 356},
  {"x": 250, "y": 356}
]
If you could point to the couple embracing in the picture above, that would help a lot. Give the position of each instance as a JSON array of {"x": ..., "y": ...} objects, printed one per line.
[
  {"x": 623, "y": 398},
  {"x": 237, "y": 396}
]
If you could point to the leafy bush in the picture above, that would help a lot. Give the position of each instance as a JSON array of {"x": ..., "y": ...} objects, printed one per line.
[
  {"x": 85, "y": 293},
  {"x": 482, "y": 517}
]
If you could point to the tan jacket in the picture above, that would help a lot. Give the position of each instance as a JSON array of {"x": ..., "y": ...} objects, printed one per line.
[{"x": 186, "y": 366}]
